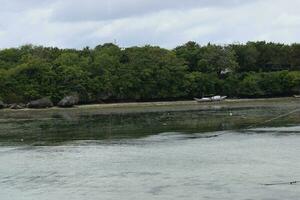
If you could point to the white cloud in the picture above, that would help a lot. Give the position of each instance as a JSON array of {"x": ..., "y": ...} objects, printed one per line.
[
  {"x": 168, "y": 23},
  {"x": 94, "y": 10}
]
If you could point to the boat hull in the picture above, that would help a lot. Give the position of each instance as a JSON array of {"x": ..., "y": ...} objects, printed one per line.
[{"x": 211, "y": 99}]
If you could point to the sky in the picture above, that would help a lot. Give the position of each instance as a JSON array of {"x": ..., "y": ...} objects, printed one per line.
[{"x": 167, "y": 23}]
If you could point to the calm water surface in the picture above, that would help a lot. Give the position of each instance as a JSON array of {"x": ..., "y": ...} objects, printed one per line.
[{"x": 226, "y": 160}]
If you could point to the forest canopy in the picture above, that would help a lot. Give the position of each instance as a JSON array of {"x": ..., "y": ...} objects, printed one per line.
[{"x": 110, "y": 73}]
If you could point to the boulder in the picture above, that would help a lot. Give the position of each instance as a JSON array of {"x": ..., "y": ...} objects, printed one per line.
[
  {"x": 2, "y": 105},
  {"x": 17, "y": 106},
  {"x": 40, "y": 103},
  {"x": 68, "y": 101}
]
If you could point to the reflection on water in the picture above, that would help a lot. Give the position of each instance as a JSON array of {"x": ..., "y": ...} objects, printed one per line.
[
  {"x": 56, "y": 128},
  {"x": 215, "y": 154}
]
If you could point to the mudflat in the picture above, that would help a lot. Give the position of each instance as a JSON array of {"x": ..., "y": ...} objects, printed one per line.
[{"x": 143, "y": 107}]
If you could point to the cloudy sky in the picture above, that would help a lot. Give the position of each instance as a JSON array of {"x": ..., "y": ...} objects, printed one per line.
[{"x": 168, "y": 23}]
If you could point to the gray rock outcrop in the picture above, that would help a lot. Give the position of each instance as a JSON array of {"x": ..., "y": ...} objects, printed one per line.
[{"x": 40, "y": 103}]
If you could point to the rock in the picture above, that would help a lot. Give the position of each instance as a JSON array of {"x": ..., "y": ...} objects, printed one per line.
[
  {"x": 17, "y": 106},
  {"x": 40, "y": 103},
  {"x": 2, "y": 105},
  {"x": 68, "y": 101}
]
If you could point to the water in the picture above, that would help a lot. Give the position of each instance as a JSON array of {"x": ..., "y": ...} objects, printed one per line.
[
  {"x": 223, "y": 161},
  {"x": 167, "y": 166}
]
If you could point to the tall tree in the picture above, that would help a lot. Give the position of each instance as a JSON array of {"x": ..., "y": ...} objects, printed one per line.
[
  {"x": 218, "y": 59},
  {"x": 190, "y": 52}
]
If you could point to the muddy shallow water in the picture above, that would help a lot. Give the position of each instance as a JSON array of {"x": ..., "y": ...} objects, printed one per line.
[{"x": 240, "y": 153}]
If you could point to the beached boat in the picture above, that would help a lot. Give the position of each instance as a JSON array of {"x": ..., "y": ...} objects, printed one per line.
[
  {"x": 211, "y": 99},
  {"x": 203, "y": 99},
  {"x": 297, "y": 96}
]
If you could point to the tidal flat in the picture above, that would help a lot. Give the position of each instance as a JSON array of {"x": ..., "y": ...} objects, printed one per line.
[
  {"x": 132, "y": 120},
  {"x": 237, "y": 149}
]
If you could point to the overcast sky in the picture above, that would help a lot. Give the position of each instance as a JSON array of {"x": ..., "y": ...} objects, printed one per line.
[{"x": 167, "y": 23}]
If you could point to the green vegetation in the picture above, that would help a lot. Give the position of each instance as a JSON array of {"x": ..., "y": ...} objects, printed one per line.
[{"x": 110, "y": 73}]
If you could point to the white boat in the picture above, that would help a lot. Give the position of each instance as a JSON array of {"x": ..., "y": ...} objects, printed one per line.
[
  {"x": 218, "y": 98},
  {"x": 211, "y": 99},
  {"x": 203, "y": 99},
  {"x": 297, "y": 96}
]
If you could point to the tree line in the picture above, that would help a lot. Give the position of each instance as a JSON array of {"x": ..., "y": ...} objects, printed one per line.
[{"x": 109, "y": 73}]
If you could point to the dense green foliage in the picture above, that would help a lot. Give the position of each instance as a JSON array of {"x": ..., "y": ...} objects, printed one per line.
[{"x": 110, "y": 73}]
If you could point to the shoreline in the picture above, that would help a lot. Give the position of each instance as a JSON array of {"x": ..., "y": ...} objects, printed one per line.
[{"x": 141, "y": 107}]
